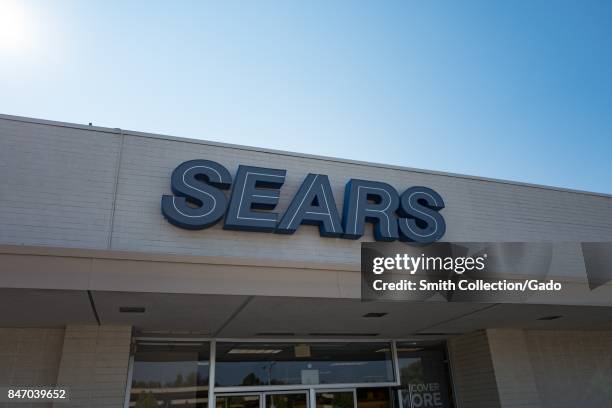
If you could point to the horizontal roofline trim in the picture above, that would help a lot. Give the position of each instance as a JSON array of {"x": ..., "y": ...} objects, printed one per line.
[
  {"x": 293, "y": 154},
  {"x": 167, "y": 257}
]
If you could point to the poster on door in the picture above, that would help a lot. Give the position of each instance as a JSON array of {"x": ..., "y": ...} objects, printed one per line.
[{"x": 423, "y": 395}]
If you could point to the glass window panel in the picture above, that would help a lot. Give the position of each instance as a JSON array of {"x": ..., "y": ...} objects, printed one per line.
[
  {"x": 170, "y": 374},
  {"x": 423, "y": 376},
  {"x": 252, "y": 364}
]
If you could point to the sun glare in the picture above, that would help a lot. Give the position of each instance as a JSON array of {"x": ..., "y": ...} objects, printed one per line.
[{"x": 14, "y": 36}]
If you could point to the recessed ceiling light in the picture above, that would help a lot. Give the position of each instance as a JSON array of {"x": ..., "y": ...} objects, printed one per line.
[
  {"x": 254, "y": 351},
  {"x": 375, "y": 314},
  {"x": 131, "y": 309},
  {"x": 181, "y": 344},
  {"x": 386, "y": 350},
  {"x": 550, "y": 317},
  {"x": 343, "y": 334}
]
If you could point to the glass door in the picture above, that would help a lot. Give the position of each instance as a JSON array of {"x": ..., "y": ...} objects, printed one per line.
[
  {"x": 238, "y": 401},
  {"x": 280, "y": 399},
  {"x": 291, "y": 399},
  {"x": 335, "y": 398}
]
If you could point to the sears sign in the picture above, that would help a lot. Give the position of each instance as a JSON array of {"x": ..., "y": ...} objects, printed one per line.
[{"x": 199, "y": 202}]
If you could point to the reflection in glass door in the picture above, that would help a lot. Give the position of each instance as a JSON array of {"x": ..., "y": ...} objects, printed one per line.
[
  {"x": 238, "y": 401},
  {"x": 335, "y": 399},
  {"x": 287, "y": 400}
]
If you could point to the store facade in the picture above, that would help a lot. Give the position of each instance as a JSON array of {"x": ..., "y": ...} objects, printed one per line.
[
  {"x": 144, "y": 270},
  {"x": 255, "y": 373}
]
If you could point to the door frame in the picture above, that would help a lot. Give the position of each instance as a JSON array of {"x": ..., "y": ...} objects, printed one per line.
[
  {"x": 240, "y": 394},
  {"x": 263, "y": 393},
  {"x": 311, "y": 394}
]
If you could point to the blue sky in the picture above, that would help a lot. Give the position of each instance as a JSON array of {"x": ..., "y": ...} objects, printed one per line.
[{"x": 518, "y": 90}]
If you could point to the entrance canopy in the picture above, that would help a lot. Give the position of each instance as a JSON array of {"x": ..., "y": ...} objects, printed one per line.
[{"x": 232, "y": 316}]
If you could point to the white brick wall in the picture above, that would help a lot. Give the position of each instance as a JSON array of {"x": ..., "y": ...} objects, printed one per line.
[
  {"x": 94, "y": 365},
  {"x": 59, "y": 184},
  {"x": 513, "y": 369},
  {"x": 472, "y": 371},
  {"x": 532, "y": 369},
  {"x": 29, "y": 357},
  {"x": 572, "y": 368},
  {"x": 476, "y": 210}
]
